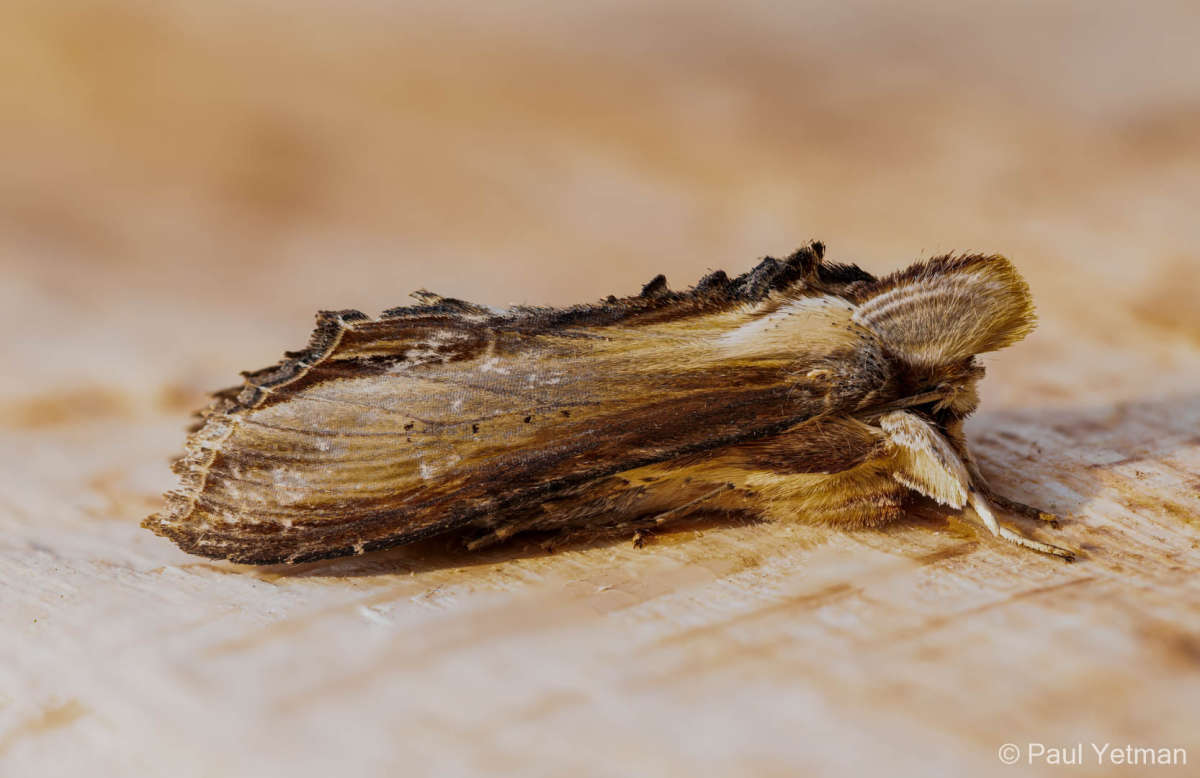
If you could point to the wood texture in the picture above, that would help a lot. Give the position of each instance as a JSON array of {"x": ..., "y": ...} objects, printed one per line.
[{"x": 178, "y": 201}]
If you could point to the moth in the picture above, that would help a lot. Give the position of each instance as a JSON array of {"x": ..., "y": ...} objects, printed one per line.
[{"x": 801, "y": 390}]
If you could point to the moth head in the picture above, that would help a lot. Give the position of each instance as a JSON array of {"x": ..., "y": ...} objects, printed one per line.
[{"x": 943, "y": 311}]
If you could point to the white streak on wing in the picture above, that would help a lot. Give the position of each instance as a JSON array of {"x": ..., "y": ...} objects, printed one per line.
[
  {"x": 493, "y": 365},
  {"x": 290, "y": 486},
  {"x": 798, "y": 317}
]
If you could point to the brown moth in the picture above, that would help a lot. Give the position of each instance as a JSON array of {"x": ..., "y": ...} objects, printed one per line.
[{"x": 803, "y": 389}]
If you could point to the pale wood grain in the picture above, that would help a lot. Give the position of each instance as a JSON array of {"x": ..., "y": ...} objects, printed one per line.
[{"x": 151, "y": 251}]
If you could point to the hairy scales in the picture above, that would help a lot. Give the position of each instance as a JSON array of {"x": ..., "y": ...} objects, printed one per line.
[{"x": 782, "y": 392}]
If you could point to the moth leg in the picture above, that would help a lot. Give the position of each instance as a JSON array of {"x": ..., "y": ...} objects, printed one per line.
[
  {"x": 1021, "y": 509},
  {"x": 666, "y": 516},
  {"x": 979, "y": 505},
  {"x": 640, "y": 535},
  {"x": 498, "y": 535},
  {"x": 981, "y": 483},
  {"x": 933, "y": 465}
]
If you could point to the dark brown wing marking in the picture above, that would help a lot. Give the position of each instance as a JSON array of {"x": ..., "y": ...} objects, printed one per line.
[{"x": 438, "y": 416}]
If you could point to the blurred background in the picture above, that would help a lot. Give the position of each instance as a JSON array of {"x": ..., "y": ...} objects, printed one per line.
[{"x": 185, "y": 184}]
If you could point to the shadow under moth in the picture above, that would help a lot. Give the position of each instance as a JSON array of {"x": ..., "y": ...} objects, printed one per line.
[{"x": 801, "y": 390}]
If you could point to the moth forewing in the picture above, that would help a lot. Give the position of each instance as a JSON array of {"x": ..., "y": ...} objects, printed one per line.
[
  {"x": 752, "y": 394},
  {"x": 789, "y": 328}
]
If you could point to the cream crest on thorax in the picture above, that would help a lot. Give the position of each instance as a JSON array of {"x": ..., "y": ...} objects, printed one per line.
[{"x": 801, "y": 390}]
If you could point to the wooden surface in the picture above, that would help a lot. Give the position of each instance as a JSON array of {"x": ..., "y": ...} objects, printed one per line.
[{"x": 185, "y": 184}]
